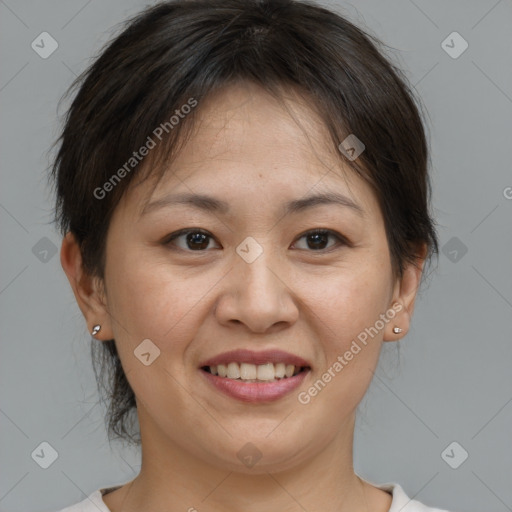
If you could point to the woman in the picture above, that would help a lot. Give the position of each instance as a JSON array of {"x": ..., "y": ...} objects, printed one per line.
[{"x": 243, "y": 193}]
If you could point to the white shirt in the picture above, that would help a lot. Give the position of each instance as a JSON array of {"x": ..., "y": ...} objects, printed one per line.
[{"x": 400, "y": 503}]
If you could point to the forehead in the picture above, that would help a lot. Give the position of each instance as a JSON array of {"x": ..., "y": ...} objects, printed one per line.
[
  {"x": 246, "y": 118},
  {"x": 245, "y": 139}
]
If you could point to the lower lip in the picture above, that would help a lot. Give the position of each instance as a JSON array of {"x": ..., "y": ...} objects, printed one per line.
[{"x": 256, "y": 392}]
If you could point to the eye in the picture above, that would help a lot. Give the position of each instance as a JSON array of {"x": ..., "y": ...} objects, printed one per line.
[
  {"x": 317, "y": 239},
  {"x": 192, "y": 239},
  {"x": 198, "y": 240}
]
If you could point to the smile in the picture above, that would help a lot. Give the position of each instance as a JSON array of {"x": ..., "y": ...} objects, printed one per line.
[
  {"x": 247, "y": 372},
  {"x": 255, "y": 377}
]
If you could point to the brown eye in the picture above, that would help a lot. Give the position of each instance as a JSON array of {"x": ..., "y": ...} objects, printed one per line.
[
  {"x": 318, "y": 239},
  {"x": 191, "y": 239}
]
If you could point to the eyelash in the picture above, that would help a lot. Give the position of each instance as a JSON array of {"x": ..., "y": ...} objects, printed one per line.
[{"x": 319, "y": 231}]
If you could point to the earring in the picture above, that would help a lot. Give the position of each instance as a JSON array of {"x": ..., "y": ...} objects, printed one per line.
[
  {"x": 96, "y": 330},
  {"x": 397, "y": 330}
]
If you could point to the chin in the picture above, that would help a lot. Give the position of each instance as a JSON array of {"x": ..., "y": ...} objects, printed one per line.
[{"x": 259, "y": 454}]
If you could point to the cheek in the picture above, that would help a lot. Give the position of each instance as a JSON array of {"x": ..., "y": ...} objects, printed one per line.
[
  {"x": 349, "y": 299},
  {"x": 347, "y": 312},
  {"x": 151, "y": 300}
]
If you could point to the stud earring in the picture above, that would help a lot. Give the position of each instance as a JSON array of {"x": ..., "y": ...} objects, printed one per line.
[
  {"x": 96, "y": 330},
  {"x": 397, "y": 330}
]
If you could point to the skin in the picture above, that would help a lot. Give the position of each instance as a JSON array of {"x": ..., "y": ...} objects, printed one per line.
[{"x": 248, "y": 151}]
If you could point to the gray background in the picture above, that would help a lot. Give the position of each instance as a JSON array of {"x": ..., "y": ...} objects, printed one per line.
[{"x": 451, "y": 379}]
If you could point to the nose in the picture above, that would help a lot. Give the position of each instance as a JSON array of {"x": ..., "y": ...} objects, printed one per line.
[{"x": 257, "y": 295}]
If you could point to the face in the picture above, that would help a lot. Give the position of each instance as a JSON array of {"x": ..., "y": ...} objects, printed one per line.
[{"x": 250, "y": 274}]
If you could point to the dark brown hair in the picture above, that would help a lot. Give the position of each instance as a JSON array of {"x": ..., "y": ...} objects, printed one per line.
[{"x": 186, "y": 49}]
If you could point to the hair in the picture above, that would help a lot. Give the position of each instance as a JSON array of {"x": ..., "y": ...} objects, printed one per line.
[{"x": 187, "y": 49}]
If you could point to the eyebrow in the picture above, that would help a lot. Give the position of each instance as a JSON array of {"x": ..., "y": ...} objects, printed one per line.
[{"x": 212, "y": 204}]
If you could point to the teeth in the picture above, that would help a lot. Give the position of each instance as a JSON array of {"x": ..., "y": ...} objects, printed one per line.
[
  {"x": 268, "y": 372},
  {"x": 280, "y": 369},
  {"x": 233, "y": 371},
  {"x": 265, "y": 372},
  {"x": 222, "y": 370},
  {"x": 247, "y": 371}
]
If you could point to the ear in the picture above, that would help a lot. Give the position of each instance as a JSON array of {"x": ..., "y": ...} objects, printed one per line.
[
  {"x": 89, "y": 291},
  {"x": 404, "y": 296}
]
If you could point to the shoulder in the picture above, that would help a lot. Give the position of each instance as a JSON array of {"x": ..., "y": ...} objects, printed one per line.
[
  {"x": 402, "y": 503},
  {"x": 93, "y": 503}
]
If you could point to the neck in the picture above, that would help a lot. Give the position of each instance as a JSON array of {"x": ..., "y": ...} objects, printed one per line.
[{"x": 324, "y": 481}]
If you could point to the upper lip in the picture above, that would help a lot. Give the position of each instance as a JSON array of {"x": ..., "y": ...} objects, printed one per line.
[{"x": 257, "y": 358}]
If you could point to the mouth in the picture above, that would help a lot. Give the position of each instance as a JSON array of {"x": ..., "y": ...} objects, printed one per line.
[
  {"x": 250, "y": 366},
  {"x": 255, "y": 377},
  {"x": 250, "y": 373}
]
